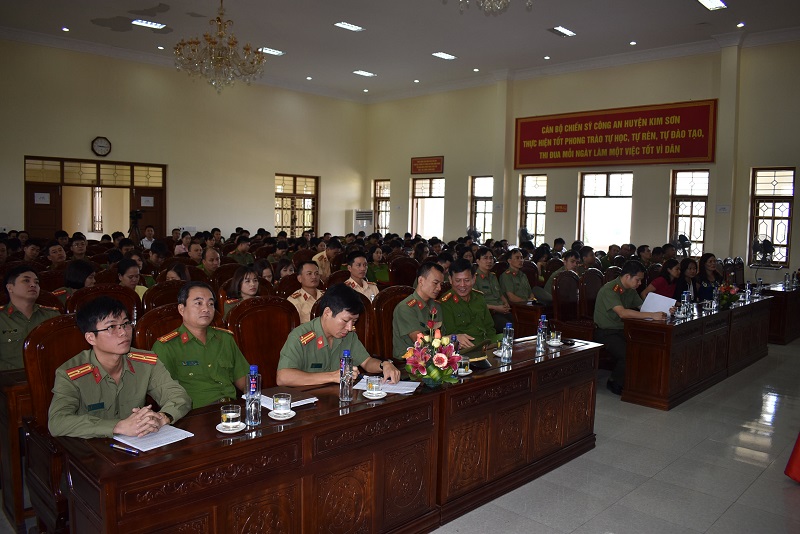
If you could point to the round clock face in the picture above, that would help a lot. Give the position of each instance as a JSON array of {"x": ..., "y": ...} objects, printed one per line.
[{"x": 101, "y": 146}]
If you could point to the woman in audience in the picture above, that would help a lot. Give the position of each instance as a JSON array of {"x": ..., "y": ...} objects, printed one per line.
[
  {"x": 686, "y": 280},
  {"x": 709, "y": 278},
  {"x": 467, "y": 254},
  {"x": 243, "y": 286},
  {"x": 264, "y": 269},
  {"x": 284, "y": 267},
  {"x": 77, "y": 275},
  {"x": 178, "y": 272},
  {"x": 183, "y": 246},
  {"x": 666, "y": 281},
  {"x": 128, "y": 273},
  {"x": 149, "y": 281},
  {"x": 421, "y": 252},
  {"x": 377, "y": 271}
]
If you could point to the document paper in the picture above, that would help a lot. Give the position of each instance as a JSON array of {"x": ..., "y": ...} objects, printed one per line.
[
  {"x": 404, "y": 387},
  {"x": 167, "y": 434},
  {"x": 657, "y": 303}
]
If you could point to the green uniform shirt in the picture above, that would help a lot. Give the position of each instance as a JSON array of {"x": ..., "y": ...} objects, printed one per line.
[
  {"x": 88, "y": 403},
  {"x": 274, "y": 258},
  {"x": 378, "y": 272},
  {"x": 471, "y": 317},
  {"x": 611, "y": 295},
  {"x": 307, "y": 349},
  {"x": 207, "y": 372},
  {"x": 63, "y": 294},
  {"x": 548, "y": 286},
  {"x": 14, "y": 328},
  {"x": 243, "y": 258},
  {"x": 411, "y": 315},
  {"x": 516, "y": 282},
  {"x": 605, "y": 261},
  {"x": 489, "y": 285},
  {"x": 228, "y": 306}
]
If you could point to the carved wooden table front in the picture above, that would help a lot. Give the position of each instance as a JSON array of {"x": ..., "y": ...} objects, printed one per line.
[{"x": 784, "y": 326}]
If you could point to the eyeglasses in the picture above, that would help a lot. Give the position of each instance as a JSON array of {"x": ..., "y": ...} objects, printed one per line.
[{"x": 116, "y": 328}]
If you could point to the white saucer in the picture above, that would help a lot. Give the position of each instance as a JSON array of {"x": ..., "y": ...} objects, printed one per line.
[
  {"x": 273, "y": 415},
  {"x": 378, "y": 395},
  {"x": 498, "y": 353},
  {"x": 233, "y": 430},
  {"x": 462, "y": 373},
  {"x": 555, "y": 343}
]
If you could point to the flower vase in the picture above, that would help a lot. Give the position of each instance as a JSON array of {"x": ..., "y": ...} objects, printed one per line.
[{"x": 431, "y": 383}]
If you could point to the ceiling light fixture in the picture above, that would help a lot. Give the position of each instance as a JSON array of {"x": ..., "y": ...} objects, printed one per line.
[
  {"x": 366, "y": 90},
  {"x": 740, "y": 25},
  {"x": 160, "y": 47},
  {"x": 491, "y": 7},
  {"x": 364, "y": 73},
  {"x": 564, "y": 31},
  {"x": 444, "y": 55},
  {"x": 309, "y": 78},
  {"x": 218, "y": 59},
  {"x": 148, "y": 24},
  {"x": 271, "y": 51},
  {"x": 633, "y": 43},
  {"x": 547, "y": 57},
  {"x": 348, "y": 26},
  {"x": 64, "y": 29},
  {"x": 711, "y": 5},
  {"x": 416, "y": 81},
  {"x": 476, "y": 70}
]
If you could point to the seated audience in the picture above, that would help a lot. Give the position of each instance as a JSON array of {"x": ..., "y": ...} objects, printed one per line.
[
  {"x": 77, "y": 275},
  {"x": 311, "y": 354},
  {"x": 515, "y": 284},
  {"x": 664, "y": 284},
  {"x": 31, "y": 251},
  {"x": 644, "y": 255},
  {"x": 357, "y": 265},
  {"x": 587, "y": 260},
  {"x": 242, "y": 251},
  {"x": 618, "y": 300},
  {"x": 264, "y": 270},
  {"x": 464, "y": 310},
  {"x": 324, "y": 259},
  {"x": 209, "y": 261},
  {"x": 196, "y": 253},
  {"x": 125, "y": 245},
  {"x": 128, "y": 274},
  {"x": 304, "y": 299},
  {"x": 669, "y": 251},
  {"x": 62, "y": 238},
  {"x": 377, "y": 270},
  {"x": 183, "y": 246},
  {"x": 204, "y": 359},
  {"x": 281, "y": 248},
  {"x": 178, "y": 272},
  {"x": 417, "y": 309},
  {"x": 243, "y": 286},
  {"x": 20, "y": 315},
  {"x": 686, "y": 280},
  {"x": 3, "y": 252},
  {"x": 158, "y": 253},
  {"x": 486, "y": 282},
  {"x": 148, "y": 280},
  {"x": 101, "y": 391},
  {"x": 608, "y": 260},
  {"x": 56, "y": 255},
  {"x": 708, "y": 278},
  {"x": 149, "y": 237},
  {"x": 570, "y": 259},
  {"x": 559, "y": 245},
  {"x": 78, "y": 247},
  {"x": 657, "y": 256},
  {"x": 284, "y": 267}
]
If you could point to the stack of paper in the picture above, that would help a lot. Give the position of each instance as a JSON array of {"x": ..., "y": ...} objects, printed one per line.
[
  {"x": 404, "y": 387},
  {"x": 167, "y": 434}
]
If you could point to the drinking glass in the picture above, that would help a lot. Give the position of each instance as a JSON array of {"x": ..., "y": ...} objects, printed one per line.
[
  {"x": 282, "y": 403},
  {"x": 231, "y": 416}
]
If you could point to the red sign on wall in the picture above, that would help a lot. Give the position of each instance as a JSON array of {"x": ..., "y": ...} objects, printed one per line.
[
  {"x": 684, "y": 132},
  {"x": 429, "y": 165},
  {"x": 561, "y": 208}
]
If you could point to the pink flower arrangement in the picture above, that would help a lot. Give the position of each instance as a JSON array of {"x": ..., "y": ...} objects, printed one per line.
[{"x": 432, "y": 359}]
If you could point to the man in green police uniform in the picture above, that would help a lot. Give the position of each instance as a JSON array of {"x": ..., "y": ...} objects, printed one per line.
[
  {"x": 101, "y": 391},
  {"x": 209, "y": 262},
  {"x": 412, "y": 314},
  {"x": 464, "y": 310},
  {"x": 203, "y": 359},
  {"x": 311, "y": 354},
  {"x": 618, "y": 300},
  {"x": 487, "y": 283},
  {"x": 242, "y": 252},
  {"x": 515, "y": 284},
  {"x": 570, "y": 258},
  {"x": 20, "y": 315}
]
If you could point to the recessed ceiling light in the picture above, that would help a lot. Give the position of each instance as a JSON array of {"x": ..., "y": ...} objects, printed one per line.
[
  {"x": 348, "y": 26},
  {"x": 444, "y": 55},
  {"x": 309, "y": 78},
  {"x": 476, "y": 70},
  {"x": 740, "y": 25},
  {"x": 564, "y": 31},
  {"x": 64, "y": 29},
  {"x": 364, "y": 73},
  {"x": 161, "y": 48},
  {"x": 148, "y": 24},
  {"x": 547, "y": 57},
  {"x": 416, "y": 81},
  {"x": 366, "y": 90},
  {"x": 271, "y": 51},
  {"x": 633, "y": 43},
  {"x": 711, "y": 5}
]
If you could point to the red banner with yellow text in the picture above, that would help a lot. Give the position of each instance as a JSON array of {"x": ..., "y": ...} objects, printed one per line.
[{"x": 683, "y": 132}]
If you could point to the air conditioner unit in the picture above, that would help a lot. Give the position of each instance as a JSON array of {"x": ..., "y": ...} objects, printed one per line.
[{"x": 360, "y": 221}]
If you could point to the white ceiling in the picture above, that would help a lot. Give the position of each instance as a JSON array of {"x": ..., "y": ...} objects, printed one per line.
[{"x": 401, "y": 35}]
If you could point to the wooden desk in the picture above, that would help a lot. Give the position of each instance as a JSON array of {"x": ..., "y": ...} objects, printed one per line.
[
  {"x": 784, "y": 324},
  {"x": 401, "y": 464},
  {"x": 15, "y": 403},
  {"x": 669, "y": 362}
]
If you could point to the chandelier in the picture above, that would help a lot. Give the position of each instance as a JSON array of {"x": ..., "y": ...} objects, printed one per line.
[
  {"x": 491, "y": 7},
  {"x": 218, "y": 58}
]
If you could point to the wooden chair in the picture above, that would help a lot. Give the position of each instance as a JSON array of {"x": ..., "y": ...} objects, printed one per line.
[
  {"x": 403, "y": 271},
  {"x": 286, "y": 286},
  {"x": 384, "y": 305},
  {"x": 365, "y": 326},
  {"x": 550, "y": 267},
  {"x": 46, "y": 298},
  {"x": 48, "y": 346},
  {"x": 612, "y": 273},
  {"x": 51, "y": 280},
  {"x": 227, "y": 260},
  {"x": 303, "y": 255},
  {"x": 127, "y": 296},
  {"x": 499, "y": 268},
  {"x": 227, "y": 248},
  {"x": 652, "y": 272},
  {"x": 262, "y": 346},
  {"x": 101, "y": 258},
  {"x": 566, "y": 314},
  {"x": 160, "y": 321},
  {"x": 186, "y": 260},
  {"x": 591, "y": 282},
  {"x": 107, "y": 276},
  {"x": 338, "y": 277},
  {"x": 35, "y": 266},
  {"x": 530, "y": 270},
  {"x": 225, "y": 273},
  {"x": 738, "y": 271},
  {"x": 162, "y": 293},
  {"x": 338, "y": 261},
  {"x": 619, "y": 260},
  {"x": 526, "y": 318}
]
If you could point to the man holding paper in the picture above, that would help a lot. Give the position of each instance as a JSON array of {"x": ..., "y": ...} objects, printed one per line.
[
  {"x": 311, "y": 354},
  {"x": 618, "y": 300},
  {"x": 101, "y": 391}
]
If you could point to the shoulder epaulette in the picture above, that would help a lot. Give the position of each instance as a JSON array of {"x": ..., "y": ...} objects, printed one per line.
[
  {"x": 144, "y": 357},
  {"x": 295, "y": 295},
  {"x": 348, "y": 283},
  {"x": 222, "y": 329},
  {"x": 49, "y": 308},
  {"x": 3, "y": 307},
  {"x": 447, "y": 297},
  {"x": 371, "y": 283},
  {"x": 231, "y": 301},
  {"x": 79, "y": 371},
  {"x": 58, "y": 292},
  {"x": 477, "y": 291},
  {"x": 412, "y": 302},
  {"x": 170, "y": 336},
  {"x": 306, "y": 338}
]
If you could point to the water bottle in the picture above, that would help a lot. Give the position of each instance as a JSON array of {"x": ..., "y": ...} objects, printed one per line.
[
  {"x": 747, "y": 291},
  {"x": 685, "y": 305},
  {"x": 346, "y": 377},
  {"x": 253, "y": 397},
  {"x": 456, "y": 344},
  {"x": 508, "y": 344},
  {"x": 759, "y": 281},
  {"x": 787, "y": 281}
]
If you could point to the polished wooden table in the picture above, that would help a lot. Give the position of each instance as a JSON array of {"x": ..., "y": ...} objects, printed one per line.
[
  {"x": 400, "y": 464},
  {"x": 784, "y": 324},
  {"x": 669, "y": 362}
]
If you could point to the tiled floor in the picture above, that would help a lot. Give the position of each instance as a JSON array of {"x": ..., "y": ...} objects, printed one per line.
[{"x": 713, "y": 464}]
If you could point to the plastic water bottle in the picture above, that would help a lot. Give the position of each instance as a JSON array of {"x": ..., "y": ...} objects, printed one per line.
[
  {"x": 456, "y": 344},
  {"x": 346, "y": 377},
  {"x": 541, "y": 334},
  {"x": 747, "y": 291},
  {"x": 508, "y": 343},
  {"x": 253, "y": 397}
]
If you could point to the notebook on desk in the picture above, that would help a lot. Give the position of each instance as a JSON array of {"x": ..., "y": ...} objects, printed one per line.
[{"x": 299, "y": 398}]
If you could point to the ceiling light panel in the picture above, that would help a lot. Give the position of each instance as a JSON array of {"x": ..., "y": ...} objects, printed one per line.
[
  {"x": 364, "y": 73},
  {"x": 271, "y": 51},
  {"x": 713, "y": 5},
  {"x": 148, "y": 24},
  {"x": 444, "y": 55},
  {"x": 348, "y": 26},
  {"x": 566, "y": 32}
]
